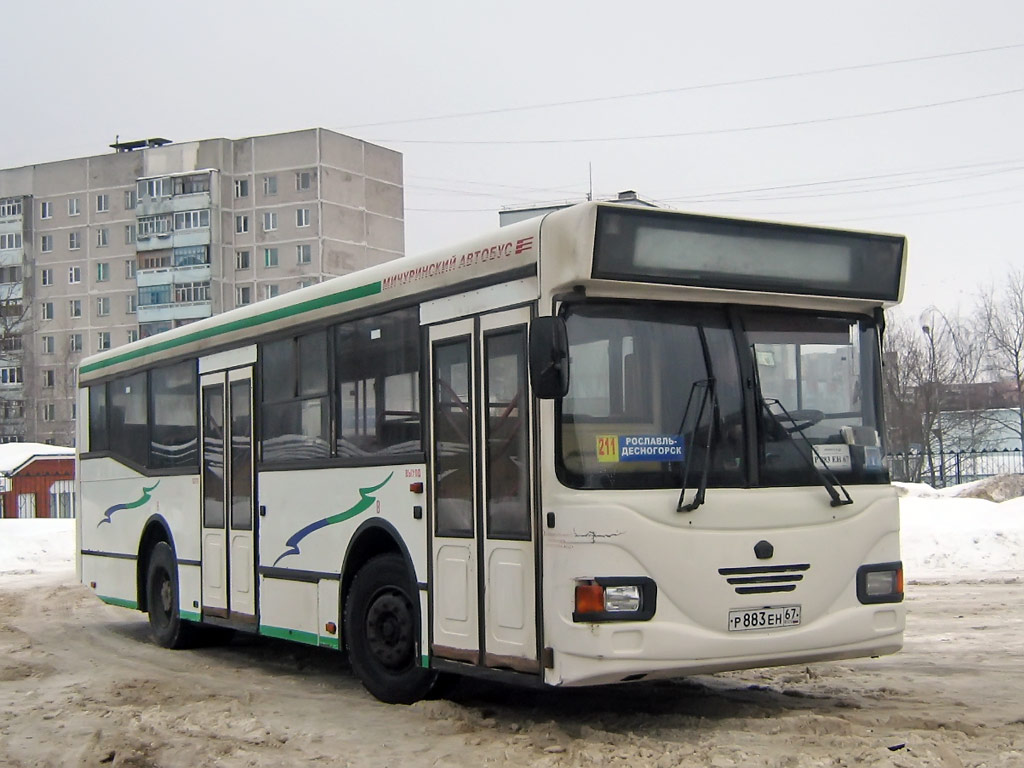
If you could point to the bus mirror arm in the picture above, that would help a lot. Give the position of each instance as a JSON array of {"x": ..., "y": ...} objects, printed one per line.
[{"x": 549, "y": 358}]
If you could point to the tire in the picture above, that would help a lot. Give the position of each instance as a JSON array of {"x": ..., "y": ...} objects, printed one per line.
[
  {"x": 382, "y": 632},
  {"x": 165, "y": 621}
]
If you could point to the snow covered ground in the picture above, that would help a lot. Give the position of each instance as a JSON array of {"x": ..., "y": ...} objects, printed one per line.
[
  {"x": 80, "y": 683},
  {"x": 945, "y": 536}
]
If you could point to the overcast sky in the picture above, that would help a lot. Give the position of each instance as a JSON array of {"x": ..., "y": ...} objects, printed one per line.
[{"x": 905, "y": 117}]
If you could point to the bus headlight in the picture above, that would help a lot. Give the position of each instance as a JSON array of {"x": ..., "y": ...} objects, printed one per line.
[
  {"x": 615, "y": 598},
  {"x": 880, "y": 583}
]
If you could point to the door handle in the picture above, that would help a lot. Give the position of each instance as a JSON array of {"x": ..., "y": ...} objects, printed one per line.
[{"x": 263, "y": 510}]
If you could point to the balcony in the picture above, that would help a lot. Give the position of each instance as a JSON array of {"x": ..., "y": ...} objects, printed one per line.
[{"x": 191, "y": 310}]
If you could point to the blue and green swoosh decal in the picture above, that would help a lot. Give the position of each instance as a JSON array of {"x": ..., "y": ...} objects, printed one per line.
[
  {"x": 145, "y": 497},
  {"x": 366, "y": 500}
]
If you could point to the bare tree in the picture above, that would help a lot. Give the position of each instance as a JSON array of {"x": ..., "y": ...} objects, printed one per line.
[
  {"x": 1003, "y": 312},
  {"x": 13, "y": 313}
]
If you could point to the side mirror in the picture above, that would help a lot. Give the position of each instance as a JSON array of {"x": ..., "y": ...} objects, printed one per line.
[{"x": 549, "y": 358}]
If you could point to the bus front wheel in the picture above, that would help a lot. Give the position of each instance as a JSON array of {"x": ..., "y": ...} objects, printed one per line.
[
  {"x": 381, "y": 629},
  {"x": 165, "y": 621}
]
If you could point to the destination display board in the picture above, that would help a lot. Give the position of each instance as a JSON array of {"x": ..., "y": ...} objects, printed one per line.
[{"x": 706, "y": 251}]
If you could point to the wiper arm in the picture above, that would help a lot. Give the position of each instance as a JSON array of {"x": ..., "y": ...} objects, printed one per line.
[
  {"x": 707, "y": 387},
  {"x": 825, "y": 475}
]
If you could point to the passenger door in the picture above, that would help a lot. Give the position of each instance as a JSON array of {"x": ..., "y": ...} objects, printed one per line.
[
  {"x": 228, "y": 501},
  {"x": 484, "y": 586}
]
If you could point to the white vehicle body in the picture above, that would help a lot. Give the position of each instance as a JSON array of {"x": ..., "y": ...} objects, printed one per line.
[{"x": 384, "y": 423}]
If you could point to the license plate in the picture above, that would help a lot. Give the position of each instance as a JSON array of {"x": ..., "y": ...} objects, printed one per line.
[{"x": 771, "y": 617}]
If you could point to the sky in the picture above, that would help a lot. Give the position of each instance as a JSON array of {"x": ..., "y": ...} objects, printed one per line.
[{"x": 899, "y": 117}]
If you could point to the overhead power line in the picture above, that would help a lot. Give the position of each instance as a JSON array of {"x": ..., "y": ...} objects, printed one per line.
[
  {"x": 707, "y": 131},
  {"x": 682, "y": 89}
]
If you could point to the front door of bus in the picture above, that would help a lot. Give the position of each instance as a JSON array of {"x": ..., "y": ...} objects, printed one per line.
[
  {"x": 484, "y": 585},
  {"x": 229, "y": 567}
]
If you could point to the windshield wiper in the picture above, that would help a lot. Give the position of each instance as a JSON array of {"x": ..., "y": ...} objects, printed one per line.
[
  {"x": 707, "y": 396},
  {"x": 825, "y": 475}
]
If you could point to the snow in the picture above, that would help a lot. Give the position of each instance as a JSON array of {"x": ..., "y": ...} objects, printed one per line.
[
  {"x": 13, "y": 455},
  {"x": 945, "y": 536}
]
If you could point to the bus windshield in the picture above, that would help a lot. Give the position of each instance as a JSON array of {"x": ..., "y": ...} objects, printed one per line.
[{"x": 638, "y": 372}]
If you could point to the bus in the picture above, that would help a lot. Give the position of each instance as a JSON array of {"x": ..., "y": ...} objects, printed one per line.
[{"x": 604, "y": 445}]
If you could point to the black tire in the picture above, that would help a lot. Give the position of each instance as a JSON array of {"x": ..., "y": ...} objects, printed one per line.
[
  {"x": 382, "y": 632},
  {"x": 165, "y": 622}
]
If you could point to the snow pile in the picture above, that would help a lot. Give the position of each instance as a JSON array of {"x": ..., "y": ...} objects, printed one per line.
[
  {"x": 964, "y": 539},
  {"x": 36, "y": 546}
]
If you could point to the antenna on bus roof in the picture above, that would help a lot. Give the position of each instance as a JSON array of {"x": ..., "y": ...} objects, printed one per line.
[{"x": 590, "y": 194}]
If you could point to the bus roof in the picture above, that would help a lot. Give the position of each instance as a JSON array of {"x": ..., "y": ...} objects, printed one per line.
[{"x": 504, "y": 254}]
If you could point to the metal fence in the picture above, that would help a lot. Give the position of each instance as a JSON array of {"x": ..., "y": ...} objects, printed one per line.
[{"x": 953, "y": 467}]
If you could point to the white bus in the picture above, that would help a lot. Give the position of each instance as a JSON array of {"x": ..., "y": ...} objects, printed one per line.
[{"x": 605, "y": 445}]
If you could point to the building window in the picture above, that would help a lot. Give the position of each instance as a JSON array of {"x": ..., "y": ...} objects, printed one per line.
[
  {"x": 154, "y": 188},
  {"x": 46, "y": 243},
  {"x": 74, "y": 240},
  {"x": 46, "y": 210},
  {"x": 11, "y": 375},
  {"x": 75, "y": 342},
  {"x": 154, "y": 225},
  {"x": 10, "y": 241},
  {"x": 102, "y": 271},
  {"x": 74, "y": 274},
  {"x": 103, "y": 306},
  {"x": 191, "y": 256},
  {"x": 241, "y": 224},
  {"x": 129, "y": 234},
  {"x": 103, "y": 340},
  {"x": 47, "y": 310},
  {"x": 46, "y": 276},
  {"x": 192, "y": 185},
  {"x": 243, "y": 295},
  {"x": 270, "y": 185},
  {"x": 306, "y": 282},
  {"x": 190, "y": 292},
  {"x": 49, "y": 411},
  {"x": 302, "y": 217},
  {"x": 47, "y": 345},
  {"x": 133, "y": 303},
  {"x": 73, "y": 207},
  {"x": 304, "y": 253},
  {"x": 303, "y": 180},
  {"x": 133, "y": 335},
  {"x": 156, "y": 261},
  {"x": 10, "y": 275},
  {"x": 49, "y": 377},
  {"x": 270, "y": 290},
  {"x": 10, "y": 206},
  {"x": 241, "y": 188},
  {"x": 192, "y": 219},
  {"x": 269, "y": 221},
  {"x": 130, "y": 199},
  {"x": 242, "y": 260},
  {"x": 270, "y": 257},
  {"x": 11, "y": 343},
  {"x": 155, "y": 295},
  {"x": 129, "y": 269},
  {"x": 102, "y": 237},
  {"x": 75, "y": 308},
  {"x": 102, "y": 203}
]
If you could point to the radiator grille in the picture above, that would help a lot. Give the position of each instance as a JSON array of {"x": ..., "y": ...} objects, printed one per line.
[{"x": 764, "y": 579}]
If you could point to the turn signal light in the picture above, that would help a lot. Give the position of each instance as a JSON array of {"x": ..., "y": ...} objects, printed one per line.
[{"x": 589, "y": 598}]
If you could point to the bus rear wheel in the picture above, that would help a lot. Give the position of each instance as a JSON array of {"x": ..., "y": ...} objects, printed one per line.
[
  {"x": 381, "y": 630},
  {"x": 165, "y": 621}
]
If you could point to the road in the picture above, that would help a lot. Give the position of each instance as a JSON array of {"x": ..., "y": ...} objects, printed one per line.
[{"x": 81, "y": 685}]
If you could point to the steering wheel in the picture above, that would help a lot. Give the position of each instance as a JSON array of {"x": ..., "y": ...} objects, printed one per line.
[{"x": 800, "y": 420}]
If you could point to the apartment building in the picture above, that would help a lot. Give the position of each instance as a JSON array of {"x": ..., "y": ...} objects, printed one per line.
[{"x": 99, "y": 251}]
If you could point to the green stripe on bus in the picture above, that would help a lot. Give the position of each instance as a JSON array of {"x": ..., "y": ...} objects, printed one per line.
[
  {"x": 329, "y": 642},
  {"x": 425, "y": 661},
  {"x": 191, "y": 616},
  {"x": 360, "y": 292},
  {"x": 119, "y": 602},
  {"x": 309, "y": 638}
]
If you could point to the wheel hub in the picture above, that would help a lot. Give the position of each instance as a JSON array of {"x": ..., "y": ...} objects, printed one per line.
[{"x": 389, "y": 630}]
